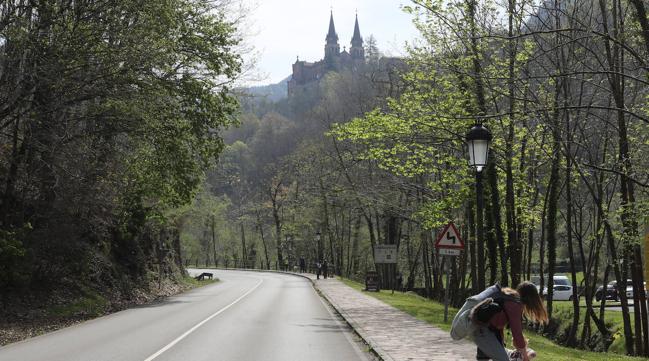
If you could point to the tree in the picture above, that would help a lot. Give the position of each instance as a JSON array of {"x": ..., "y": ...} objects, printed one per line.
[{"x": 110, "y": 115}]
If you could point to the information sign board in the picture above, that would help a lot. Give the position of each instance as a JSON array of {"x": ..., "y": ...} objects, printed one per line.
[{"x": 385, "y": 253}]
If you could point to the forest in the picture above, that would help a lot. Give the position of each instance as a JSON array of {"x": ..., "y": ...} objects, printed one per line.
[
  {"x": 378, "y": 156},
  {"x": 110, "y": 112}
]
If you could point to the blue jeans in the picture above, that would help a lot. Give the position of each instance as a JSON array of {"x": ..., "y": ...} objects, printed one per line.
[{"x": 488, "y": 342}]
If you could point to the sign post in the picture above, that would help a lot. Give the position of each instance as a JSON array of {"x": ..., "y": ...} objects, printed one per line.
[
  {"x": 449, "y": 244},
  {"x": 446, "y": 288},
  {"x": 386, "y": 254}
]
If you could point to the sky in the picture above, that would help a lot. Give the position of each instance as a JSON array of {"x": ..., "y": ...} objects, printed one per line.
[{"x": 281, "y": 30}]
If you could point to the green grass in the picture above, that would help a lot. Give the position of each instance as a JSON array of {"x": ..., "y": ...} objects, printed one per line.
[
  {"x": 433, "y": 313},
  {"x": 91, "y": 304},
  {"x": 613, "y": 319},
  {"x": 194, "y": 283}
]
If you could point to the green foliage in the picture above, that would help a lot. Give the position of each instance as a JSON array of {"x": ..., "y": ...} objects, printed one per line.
[
  {"x": 112, "y": 112},
  {"x": 12, "y": 253},
  {"x": 420, "y": 134},
  {"x": 91, "y": 304},
  {"x": 196, "y": 221}
]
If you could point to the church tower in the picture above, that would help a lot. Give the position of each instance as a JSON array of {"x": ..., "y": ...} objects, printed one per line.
[
  {"x": 332, "y": 48},
  {"x": 357, "y": 51}
]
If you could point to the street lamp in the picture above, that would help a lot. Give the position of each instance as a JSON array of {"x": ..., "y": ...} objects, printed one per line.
[{"x": 478, "y": 139}]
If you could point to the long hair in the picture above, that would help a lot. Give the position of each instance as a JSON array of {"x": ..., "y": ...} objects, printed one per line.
[{"x": 533, "y": 306}]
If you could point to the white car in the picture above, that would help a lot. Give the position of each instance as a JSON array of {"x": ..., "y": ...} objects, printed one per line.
[{"x": 562, "y": 288}]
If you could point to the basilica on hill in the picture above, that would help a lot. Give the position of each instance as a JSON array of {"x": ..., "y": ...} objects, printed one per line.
[{"x": 334, "y": 60}]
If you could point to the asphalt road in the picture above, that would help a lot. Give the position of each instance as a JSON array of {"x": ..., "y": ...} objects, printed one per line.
[{"x": 246, "y": 316}]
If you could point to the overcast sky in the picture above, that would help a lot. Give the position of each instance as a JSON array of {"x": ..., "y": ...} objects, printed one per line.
[{"x": 284, "y": 29}]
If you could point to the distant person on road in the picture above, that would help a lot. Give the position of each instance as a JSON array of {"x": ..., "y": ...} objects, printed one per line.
[
  {"x": 318, "y": 270},
  {"x": 485, "y": 316},
  {"x": 302, "y": 265},
  {"x": 325, "y": 269}
]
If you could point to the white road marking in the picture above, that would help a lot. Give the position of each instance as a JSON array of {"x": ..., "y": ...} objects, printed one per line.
[{"x": 172, "y": 343}]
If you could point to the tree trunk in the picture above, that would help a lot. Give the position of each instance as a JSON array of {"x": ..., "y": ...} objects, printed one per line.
[
  {"x": 213, "y": 225},
  {"x": 492, "y": 247},
  {"x": 542, "y": 243},
  {"x": 263, "y": 239},
  {"x": 615, "y": 59},
  {"x": 410, "y": 284},
  {"x": 355, "y": 246},
  {"x": 641, "y": 299},
  {"x": 244, "y": 254},
  {"x": 472, "y": 246},
  {"x": 553, "y": 198},
  {"x": 572, "y": 334},
  {"x": 426, "y": 261},
  {"x": 497, "y": 219},
  {"x": 510, "y": 200},
  {"x": 278, "y": 231}
]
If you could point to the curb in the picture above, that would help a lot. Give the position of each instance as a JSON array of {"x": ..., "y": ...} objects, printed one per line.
[{"x": 373, "y": 346}]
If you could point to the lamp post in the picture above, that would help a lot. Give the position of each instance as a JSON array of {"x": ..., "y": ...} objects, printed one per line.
[
  {"x": 478, "y": 139},
  {"x": 319, "y": 245}
]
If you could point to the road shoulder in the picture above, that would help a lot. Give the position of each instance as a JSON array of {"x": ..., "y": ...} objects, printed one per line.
[{"x": 23, "y": 325}]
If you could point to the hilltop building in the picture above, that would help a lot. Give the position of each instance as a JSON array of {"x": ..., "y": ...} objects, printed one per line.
[{"x": 334, "y": 60}]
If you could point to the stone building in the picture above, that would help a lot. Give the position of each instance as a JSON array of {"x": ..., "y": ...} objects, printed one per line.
[{"x": 334, "y": 60}]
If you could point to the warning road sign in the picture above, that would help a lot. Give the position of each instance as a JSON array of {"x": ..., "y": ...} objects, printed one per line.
[{"x": 449, "y": 238}]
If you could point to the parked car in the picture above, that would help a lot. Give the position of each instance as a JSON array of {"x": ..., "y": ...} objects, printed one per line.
[
  {"x": 562, "y": 288},
  {"x": 611, "y": 292}
]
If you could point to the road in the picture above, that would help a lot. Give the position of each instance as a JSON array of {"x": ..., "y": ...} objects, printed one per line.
[
  {"x": 246, "y": 316},
  {"x": 619, "y": 308}
]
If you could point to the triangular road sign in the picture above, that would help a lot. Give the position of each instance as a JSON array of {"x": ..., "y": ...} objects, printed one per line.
[{"x": 449, "y": 238}]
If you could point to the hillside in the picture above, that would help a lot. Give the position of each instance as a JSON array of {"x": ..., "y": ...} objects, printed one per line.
[{"x": 271, "y": 92}]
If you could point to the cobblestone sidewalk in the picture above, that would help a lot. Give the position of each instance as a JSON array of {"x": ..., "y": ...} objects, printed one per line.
[{"x": 392, "y": 333}]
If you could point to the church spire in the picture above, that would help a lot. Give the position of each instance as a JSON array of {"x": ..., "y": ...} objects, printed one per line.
[
  {"x": 357, "y": 51},
  {"x": 332, "y": 49},
  {"x": 332, "y": 37},
  {"x": 357, "y": 39}
]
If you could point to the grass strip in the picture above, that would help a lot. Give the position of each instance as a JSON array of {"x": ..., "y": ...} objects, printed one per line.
[{"x": 433, "y": 313}]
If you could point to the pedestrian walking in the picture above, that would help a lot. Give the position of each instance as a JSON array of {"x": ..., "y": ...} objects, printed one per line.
[
  {"x": 318, "y": 270},
  {"x": 302, "y": 265},
  {"x": 325, "y": 269},
  {"x": 485, "y": 316}
]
